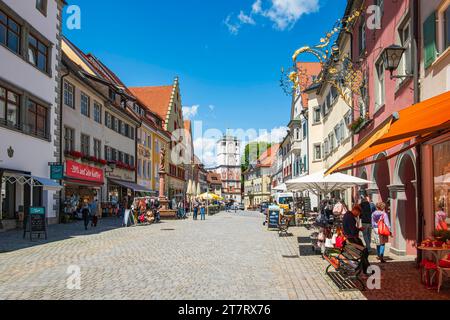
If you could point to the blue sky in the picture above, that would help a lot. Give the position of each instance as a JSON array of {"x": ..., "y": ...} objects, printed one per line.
[{"x": 227, "y": 53}]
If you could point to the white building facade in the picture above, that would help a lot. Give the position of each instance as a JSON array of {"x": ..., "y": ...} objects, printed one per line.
[
  {"x": 228, "y": 151},
  {"x": 30, "y": 53}
]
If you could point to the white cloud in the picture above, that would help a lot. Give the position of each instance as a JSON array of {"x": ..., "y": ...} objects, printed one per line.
[
  {"x": 190, "y": 112},
  {"x": 245, "y": 19},
  {"x": 205, "y": 150},
  {"x": 276, "y": 135},
  {"x": 283, "y": 13},
  {"x": 257, "y": 7},
  {"x": 232, "y": 27}
]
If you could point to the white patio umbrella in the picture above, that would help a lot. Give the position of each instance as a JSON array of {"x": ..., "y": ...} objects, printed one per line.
[
  {"x": 281, "y": 187},
  {"x": 189, "y": 188},
  {"x": 198, "y": 192},
  {"x": 318, "y": 183}
]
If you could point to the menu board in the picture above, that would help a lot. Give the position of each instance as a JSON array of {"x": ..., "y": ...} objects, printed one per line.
[
  {"x": 274, "y": 218},
  {"x": 36, "y": 222}
]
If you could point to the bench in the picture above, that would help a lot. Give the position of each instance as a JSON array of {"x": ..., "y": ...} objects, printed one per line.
[{"x": 348, "y": 266}]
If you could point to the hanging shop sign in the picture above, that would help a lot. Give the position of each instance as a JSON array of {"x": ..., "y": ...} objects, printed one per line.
[
  {"x": 80, "y": 171},
  {"x": 36, "y": 223},
  {"x": 56, "y": 171}
]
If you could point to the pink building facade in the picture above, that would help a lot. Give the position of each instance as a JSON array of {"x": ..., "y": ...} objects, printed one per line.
[
  {"x": 435, "y": 80},
  {"x": 394, "y": 181}
]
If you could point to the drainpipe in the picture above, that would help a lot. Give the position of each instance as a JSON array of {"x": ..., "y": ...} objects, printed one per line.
[
  {"x": 416, "y": 71},
  {"x": 61, "y": 107}
]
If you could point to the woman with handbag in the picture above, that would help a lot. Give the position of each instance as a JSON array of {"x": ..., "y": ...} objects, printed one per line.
[{"x": 381, "y": 229}]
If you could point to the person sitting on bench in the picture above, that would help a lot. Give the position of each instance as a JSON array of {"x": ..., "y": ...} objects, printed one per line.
[{"x": 351, "y": 232}]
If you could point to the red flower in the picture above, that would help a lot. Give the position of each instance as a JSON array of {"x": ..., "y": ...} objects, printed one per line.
[{"x": 76, "y": 154}]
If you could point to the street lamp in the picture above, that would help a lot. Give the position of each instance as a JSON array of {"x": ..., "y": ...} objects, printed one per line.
[{"x": 392, "y": 56}]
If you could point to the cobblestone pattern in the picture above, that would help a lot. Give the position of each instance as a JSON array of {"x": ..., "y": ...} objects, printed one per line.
[{"x": 228, "y": 256}]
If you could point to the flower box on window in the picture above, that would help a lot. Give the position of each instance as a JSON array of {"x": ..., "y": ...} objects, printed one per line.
[{"x": 73, "y": 154}]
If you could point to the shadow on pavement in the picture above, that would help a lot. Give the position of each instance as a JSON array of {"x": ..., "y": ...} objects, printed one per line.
[{"x": 13, "y": 240}]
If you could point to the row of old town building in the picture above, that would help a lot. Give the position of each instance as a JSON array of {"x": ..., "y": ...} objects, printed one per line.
[
  {"x": 409, "y": 171},
  {"x": 71, "y": 131}
]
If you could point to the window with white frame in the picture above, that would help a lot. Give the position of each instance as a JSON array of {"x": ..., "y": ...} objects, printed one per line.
[
  {"x": 97, "y": 149},
  {"x": 337, "y": 133},
  {"x": 317, "y": 151},
  {"x": 85, "y": 101},
  {"x": 85, "y": 144},
  {"x": 326, "y": 149},
  {"x": 69, "y": 95},
  {"x": 362, "y": 36},
  {"x": 316, "y": 115},
  {"x": 443, "y": 27},
  {"x": 446, "y": 28},
  {"x": 97, "y": 112},
  {"x": 332, "y": 142},
  {"x": 69, "y": 139},
  {"x": 380, "y": 84},
  {"x": 404, "y": 32}
]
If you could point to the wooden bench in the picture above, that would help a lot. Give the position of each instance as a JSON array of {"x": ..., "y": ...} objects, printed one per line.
[{"x": 348, "y": 266}]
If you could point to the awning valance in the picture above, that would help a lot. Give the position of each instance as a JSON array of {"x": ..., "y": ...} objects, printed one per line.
[
  {"x": 130, "y": 185},
  {"x": 417, "y": 121},
  {"x": 15, "y": 177}
]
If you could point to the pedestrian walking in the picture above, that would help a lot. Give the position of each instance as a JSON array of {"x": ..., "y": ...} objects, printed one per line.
[
  {"x": 93, "y": 207},
  {"x": 379, "y": 239},
  {"x": 367, "y": 208},
  {"x": 85, "y": 212},
  {"x": 202, "y": 212},
  {"x": 195, "y": 210}
]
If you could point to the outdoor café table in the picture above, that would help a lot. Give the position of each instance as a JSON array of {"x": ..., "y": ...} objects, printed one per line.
[{"x": 437, "y": 252}]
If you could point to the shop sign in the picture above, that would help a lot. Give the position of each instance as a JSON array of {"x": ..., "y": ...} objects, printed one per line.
[
  {"x": 36, "y": 222},
  {"x": 274, "y": 217},
  {"x": 83, "y": 172},
  {"x": 56, "y": 171}
]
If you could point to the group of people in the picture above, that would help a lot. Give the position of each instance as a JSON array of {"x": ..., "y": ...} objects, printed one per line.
[
  {"x": 365, "y": 218},
  {"x": 89, "y": 212},
  {"x": 199, "y": 206}
]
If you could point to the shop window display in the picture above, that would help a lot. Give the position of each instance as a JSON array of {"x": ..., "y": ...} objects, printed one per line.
[{"x": 441, "y": 176}]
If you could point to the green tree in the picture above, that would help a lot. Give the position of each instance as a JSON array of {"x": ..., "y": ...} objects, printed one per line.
[{"x": 252, "y": 152}]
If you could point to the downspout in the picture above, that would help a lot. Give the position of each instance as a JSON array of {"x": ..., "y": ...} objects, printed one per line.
[
  {"x": 61, "y": 107},
  {"x": 420, "y": 209}
]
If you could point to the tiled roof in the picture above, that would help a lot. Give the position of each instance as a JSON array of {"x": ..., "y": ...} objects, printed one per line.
[
  {"x": 214, "y": 178},
  {"x": 308, "y": 69},
  {"x": 156, "y": 98},
  {"x": 266, "y": 159}
]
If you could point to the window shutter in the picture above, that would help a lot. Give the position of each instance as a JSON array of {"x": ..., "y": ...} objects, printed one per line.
[{"x": 429, "y": 35}]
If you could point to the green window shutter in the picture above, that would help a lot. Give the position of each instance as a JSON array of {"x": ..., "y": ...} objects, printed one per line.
[{"x": 429, "y": 37}]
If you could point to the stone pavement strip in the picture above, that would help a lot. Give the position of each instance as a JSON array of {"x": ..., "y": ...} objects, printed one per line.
[{"x": 228, "y": 256}]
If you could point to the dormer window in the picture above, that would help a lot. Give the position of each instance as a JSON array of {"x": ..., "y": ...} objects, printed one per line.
[{"x": 41, "y": 5}]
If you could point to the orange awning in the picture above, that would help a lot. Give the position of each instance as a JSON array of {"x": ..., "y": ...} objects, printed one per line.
[{"x": 418, "y": 120}]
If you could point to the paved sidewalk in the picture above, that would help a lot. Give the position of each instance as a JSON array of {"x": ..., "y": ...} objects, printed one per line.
[{"x": 228, "y": 256}]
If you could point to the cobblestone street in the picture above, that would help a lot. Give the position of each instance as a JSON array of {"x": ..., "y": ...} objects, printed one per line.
[{"x": 228, "y": 256}]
